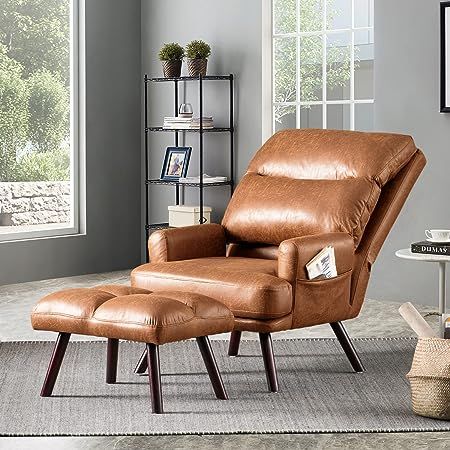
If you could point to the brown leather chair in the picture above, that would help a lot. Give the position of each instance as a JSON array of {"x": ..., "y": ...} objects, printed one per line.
[{"x": 303, "y": 190}]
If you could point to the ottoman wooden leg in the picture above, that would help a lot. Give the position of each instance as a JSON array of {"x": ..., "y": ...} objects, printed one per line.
[
  {"x": 269, "y": 361},
  {"x": 154, "y": 375},
  {"x": 55, "y": 364},
  {"x": 111, "y": 360},
  {"x": 141, "y": 366},
  {"x": 235, "y": 340},
  {"x": 211, "y": 366}
]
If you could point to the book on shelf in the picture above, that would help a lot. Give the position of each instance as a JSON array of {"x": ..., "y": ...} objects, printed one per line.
[
  {"x": 206, "y": 179},
  {"x": 187, "y": 122},
  {"x": 323, "y": 265},
  {"x": 431, "y": 248}
]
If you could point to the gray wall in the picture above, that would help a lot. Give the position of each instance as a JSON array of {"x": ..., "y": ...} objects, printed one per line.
[
  {"x": 407, "y": 101},
  {"x": 113, "y": 135},
  {"x": 233, "y": 28}
]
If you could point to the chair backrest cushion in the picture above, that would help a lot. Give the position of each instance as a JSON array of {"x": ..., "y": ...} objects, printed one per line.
[{"x": 304, "y": 182}]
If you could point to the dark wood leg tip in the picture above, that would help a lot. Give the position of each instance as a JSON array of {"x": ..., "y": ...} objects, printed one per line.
[
  {"x": 348, "y": 347},
  {"x": 269, "y": 361},
  {"x": 142, "y": 365},
  {"x": 211, "y": 366},
  {"x": 235, "y": 340},
  {"x": 154, "y": 377},
  {"x": 55, "y": 364},
  {"x": 111, "y": 360}
]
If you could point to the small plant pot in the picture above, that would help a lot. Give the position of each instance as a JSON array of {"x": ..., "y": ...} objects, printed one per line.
[
  {"x": 197, "y": 67},
  {"x": 171, "y": 69}
]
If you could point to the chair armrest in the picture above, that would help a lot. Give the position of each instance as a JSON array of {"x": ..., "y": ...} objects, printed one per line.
[
  {"x": 197, "y": 241},
  {"x": 294, "y": 254}
]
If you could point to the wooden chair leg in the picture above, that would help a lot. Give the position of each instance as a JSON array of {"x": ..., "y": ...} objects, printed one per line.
[
  {"x": 142, "y": 365},
  {"x": 269, "y": 361},
  {"x": 55, "y": 364},
  {"x": 154, "y": 375},
  {"x": 111, "y": 360},
  {"x": 211, "y": 366},
  {"x": 235, "y": 340},
  {"x": 347, "y": 346}
]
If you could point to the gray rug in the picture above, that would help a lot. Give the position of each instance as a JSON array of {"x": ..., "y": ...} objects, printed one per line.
[{"x": 319, "y": 393}]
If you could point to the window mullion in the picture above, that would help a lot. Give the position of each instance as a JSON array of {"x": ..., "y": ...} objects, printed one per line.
[
  {"x": 352, "y": 71},
  {"x": 298, "y": 62},
  {"x": 324, "y": 66}
]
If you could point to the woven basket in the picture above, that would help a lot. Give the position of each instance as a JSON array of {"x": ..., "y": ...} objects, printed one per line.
[
  {"x": 430, "y": 378},
  {"x": 172, "y": 69},
  {"x": 197, "y": 67}
]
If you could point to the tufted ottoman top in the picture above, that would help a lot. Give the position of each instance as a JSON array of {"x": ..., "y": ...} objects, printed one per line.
[{"x": 122, "y": 312}]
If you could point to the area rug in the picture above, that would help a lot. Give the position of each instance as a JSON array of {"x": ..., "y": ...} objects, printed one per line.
[{"x": 318, "y": 391}]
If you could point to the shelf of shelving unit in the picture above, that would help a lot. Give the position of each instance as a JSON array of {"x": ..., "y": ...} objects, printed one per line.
[
  {"x": 150, "y": 227},
  {"x": 156, "y": 226},
  {"x": 206, "y": 78},
  {"x": 189, "y": 130},
  {"x": 176, "y": 183}
]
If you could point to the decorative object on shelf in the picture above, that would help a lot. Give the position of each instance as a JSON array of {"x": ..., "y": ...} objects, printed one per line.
[
  {"x": 197, "y": 53},
  {"x": 179, "y": 123},
  {"x": 184, "y": 216},
  {"x": 207, "y": 179},
  {"x": 176, "y": 163},
  {"x": 445, "y": 57},
  {"x": 171, "y": 56},
  {"x": 186, "y": 111}
]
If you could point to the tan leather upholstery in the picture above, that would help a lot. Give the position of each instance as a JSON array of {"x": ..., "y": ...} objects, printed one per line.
[
  {"x": 272, "y": 209},
  {"x": 133, "y": 314},
  {"x": 250, "y": 287},
  {"x": 303, "y": 190},
  {"x": 193, "y": 242},
  {"x": 333, "y": 155},
  {"x": 316, "y": 299},
  {"x": 314, "y": 181}
]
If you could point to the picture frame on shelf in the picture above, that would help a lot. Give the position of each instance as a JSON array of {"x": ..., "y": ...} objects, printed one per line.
[
  {"x": 445, "y": 58},
  {"x": 176, "y": 163}
]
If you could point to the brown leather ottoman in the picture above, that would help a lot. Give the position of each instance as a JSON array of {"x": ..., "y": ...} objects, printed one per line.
[{"x": 134, "y": 314}]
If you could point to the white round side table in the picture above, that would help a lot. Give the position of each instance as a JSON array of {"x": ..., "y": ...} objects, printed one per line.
[{"x": 406, "y": 253}]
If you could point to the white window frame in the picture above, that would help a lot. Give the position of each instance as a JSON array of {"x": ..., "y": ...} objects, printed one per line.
[
  {"x": 77, "y": 133},
  {"x": 268, "y": 80}
]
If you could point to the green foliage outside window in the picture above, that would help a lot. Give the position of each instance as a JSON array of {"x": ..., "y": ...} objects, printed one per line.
[
  {"x": 310, "y": 54},
  {"x": 34, "y": 90}
]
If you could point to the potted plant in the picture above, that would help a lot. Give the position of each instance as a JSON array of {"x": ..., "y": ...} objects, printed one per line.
[
  {"x": 197, "y": 53},
  {"x": 171, "y": 56}
]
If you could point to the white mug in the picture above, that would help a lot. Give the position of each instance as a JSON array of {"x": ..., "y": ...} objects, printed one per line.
[{"x": 438, "y": 235}]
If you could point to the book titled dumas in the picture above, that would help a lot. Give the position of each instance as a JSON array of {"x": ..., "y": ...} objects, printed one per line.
[{"x": 431, "y": 248}]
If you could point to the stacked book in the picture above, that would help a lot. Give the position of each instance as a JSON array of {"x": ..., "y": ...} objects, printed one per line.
[
  {"x": 187, "y": 123},
  {"x": 431, "y": 248},
  {"x": 206, "y": 179}
]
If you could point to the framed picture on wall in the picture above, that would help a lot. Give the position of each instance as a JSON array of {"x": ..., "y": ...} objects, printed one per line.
[
  {"x": 445, "y": 57},
  {"x": 176, "y": 163}
]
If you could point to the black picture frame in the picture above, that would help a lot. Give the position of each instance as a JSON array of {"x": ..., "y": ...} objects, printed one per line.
[
  {"x": 445, "y": 57},
  {"x": 171, "y": 173}
]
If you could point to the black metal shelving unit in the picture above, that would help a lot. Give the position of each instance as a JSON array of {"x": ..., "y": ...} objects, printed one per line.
[{"x": 150, "y": 227}]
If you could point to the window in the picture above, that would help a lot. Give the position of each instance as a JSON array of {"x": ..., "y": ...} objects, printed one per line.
[
  {"x": 318, "y": 60},
  {"x": 38, "y": 118}
]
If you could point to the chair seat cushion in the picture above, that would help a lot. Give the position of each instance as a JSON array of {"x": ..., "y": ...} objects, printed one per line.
[
  {"x": 132, "y": 314},
  {"x": 248, "y": 286}
]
